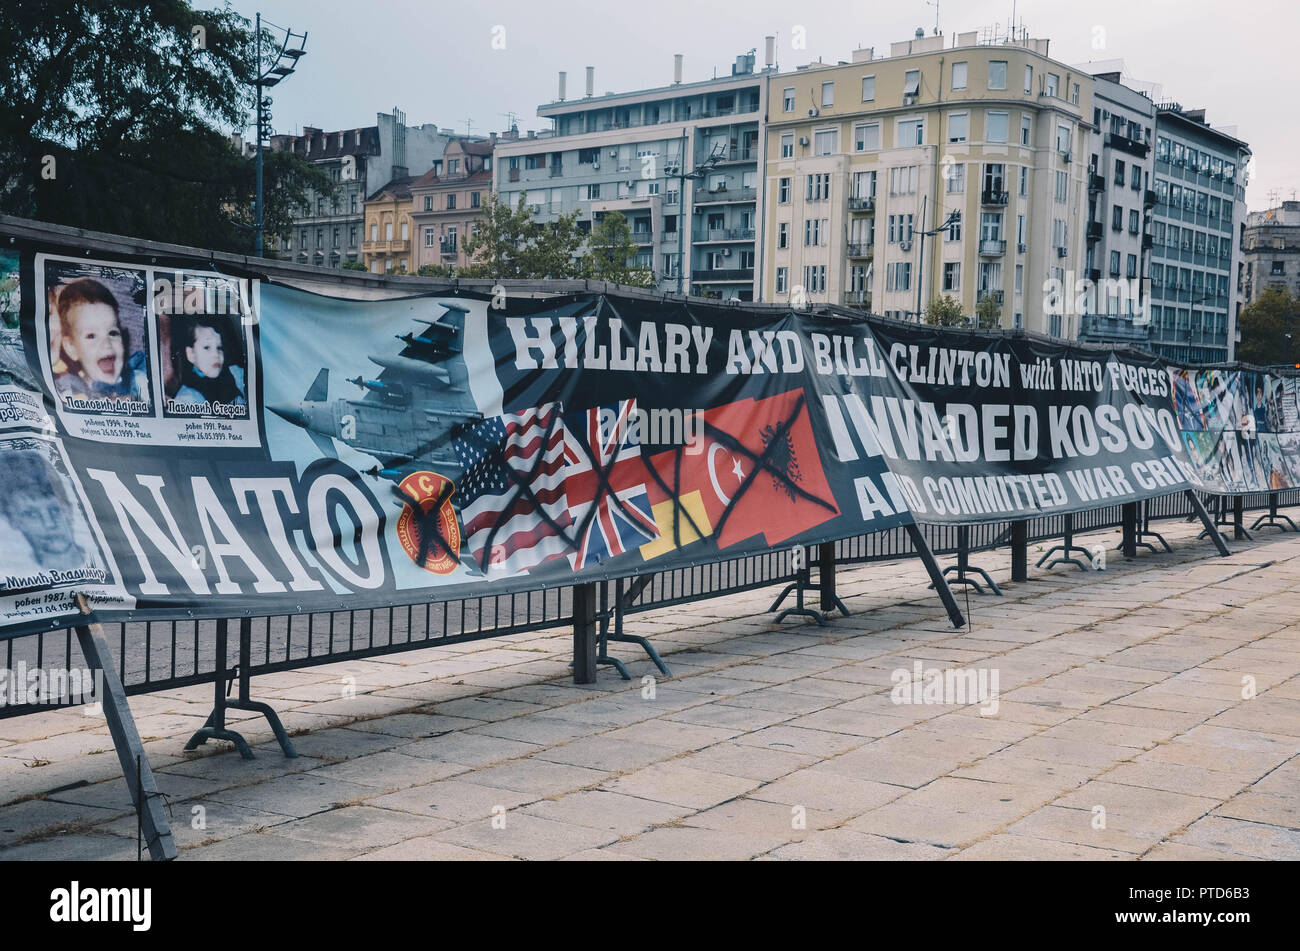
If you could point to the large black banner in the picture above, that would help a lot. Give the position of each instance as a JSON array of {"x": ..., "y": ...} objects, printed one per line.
[{"x": 177, "y": 441}]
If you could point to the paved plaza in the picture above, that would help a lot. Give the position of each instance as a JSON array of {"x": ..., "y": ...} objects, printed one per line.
[{"x": 1147, "y": 711}]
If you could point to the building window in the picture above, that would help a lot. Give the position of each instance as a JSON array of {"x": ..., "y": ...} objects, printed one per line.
[
  {"x": 1136, "y": 178},
  {"x": 957, "y": 126},
  {"x": 475, "y": 199},
  {"x": 787, "y": 145},
  {"x": 1114, "y": 264},
  {"x": 1119, "y": 172},
  {"x": 828, "y": 95},
  {"x": 864, "y": 184},
  {"x": 1117, "y": 218},
  {"x": 1025, "y": 129},
  {"x": 783, "y": 191},
  {"x": 1029, "y": 82},
  {"x": 997, "y": 126},
  {"x": 782, "y": 276},
  {"x": 952, "y": 274},
  {"x": 868, "y": 88},
  {"x": 902, "y": 180},
  {"x": 535, "y": 161},
  {"x": 1063, "y": 138},
  {"x": 783, "y": 235},
  {"x": 1062, "y": 185},
  {"x": 428, "y": 203},
  {"x": 866, "y": 137},
  {"x": 911, "y": 132},
  {"x": 1132, "y": 266},
  {"x": 352, "y": 236},
  {"x": 1133, "y": 223},
  {"x": 1024, "y": 181},
  {"x": 912, "y": 82},
  {"x": 430, "y": 236},
  {"x": 787, "y": 99},
  {"x": 388, "y": 231},
  {"x": 826, "y": 142},
  {"x": 451, "y": 202},
  {"x": 374, "y": 232},
  {"x": 958, "y": 75},
  {"x": 954, "y": 178},
  {"x": 998, "y": 74},
  {"x": 1053, "y": 83},
  {"x": 819, "y": 187}
]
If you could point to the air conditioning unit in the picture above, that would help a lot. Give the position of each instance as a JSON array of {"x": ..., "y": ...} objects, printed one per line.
[
  {"x": 631, "y": 183},
  {"x": 726, "y": 252},
  {"x": 803, "y": 140},
  {"x": 1062, "y": 252},
  {"x": 613, "y": 153},
  {"x": 595, "y": 166},
  {"x": 813, "y": 113},
  {"x": 905, "y": 245},
  {"x": 1021, "y": 248},
  {"x": 909, "y": 100},
  {"x": 1065, "y": 157}
]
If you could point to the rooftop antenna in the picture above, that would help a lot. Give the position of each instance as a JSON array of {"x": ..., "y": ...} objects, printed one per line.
[
  {"x": 935, "y": 4},
  {"x": 511, "y": 117},
  {"x": 469, "y": 126}
]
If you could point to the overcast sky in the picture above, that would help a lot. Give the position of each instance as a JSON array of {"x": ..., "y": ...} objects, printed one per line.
[{"x": 436, "y": 59}]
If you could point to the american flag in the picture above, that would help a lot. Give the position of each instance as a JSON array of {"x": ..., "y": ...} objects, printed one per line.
[
  {"x": 612, "y": 518},
  {"x": 500, "y": 457}
]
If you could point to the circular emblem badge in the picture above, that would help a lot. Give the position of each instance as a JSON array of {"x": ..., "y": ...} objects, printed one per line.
[{"x": 442, "y": 547}]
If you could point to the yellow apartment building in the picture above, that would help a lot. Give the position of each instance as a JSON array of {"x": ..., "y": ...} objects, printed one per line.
[{"x": 864, "y": 156}]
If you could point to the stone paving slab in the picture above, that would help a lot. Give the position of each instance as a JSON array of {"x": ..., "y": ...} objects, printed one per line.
[{"x": 1149, "y": 711}]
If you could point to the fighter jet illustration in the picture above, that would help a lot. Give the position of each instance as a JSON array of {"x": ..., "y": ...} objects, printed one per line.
[{"x": 409, "y": 413}]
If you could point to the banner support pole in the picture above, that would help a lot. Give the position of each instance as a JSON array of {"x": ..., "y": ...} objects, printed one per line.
[
  {"x": 1128, "y": 545},
  {"x": 936, "y": 575},
  {"x": 1020, "y": 550},
  {"x": 1238, "y": 529},
  {"x": 1211, "y": 529},
  {"x": 139, "y": 777},
  {"x": 830, "y": 601},
  {"x": 585, "y": 634}
]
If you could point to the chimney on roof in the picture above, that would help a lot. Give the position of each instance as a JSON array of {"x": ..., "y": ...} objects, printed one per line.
[
  {"x": 677, "y": 69},
  {"x": 591, "y": 80},
  {"x": 563, "y": 77}
]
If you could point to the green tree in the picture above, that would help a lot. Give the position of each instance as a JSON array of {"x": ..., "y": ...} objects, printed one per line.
[
  {"x": 500, "y": 249},
  {"x": 988, "y": 313},
  {"x": 435, "y": 270},
  {"x": 945, "y": 311},
  {"x": 556, "y": 250},
  {"x": 353, "y": 266},
  {"x": 1264, "y": 324},
  {"x": 609, "y": 248},
  {"x": 110, "y": 119}
]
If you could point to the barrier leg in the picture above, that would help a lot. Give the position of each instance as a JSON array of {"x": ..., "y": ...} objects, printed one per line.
[
  {"x": 1130, "y": 529},
  {"x": 622, "y": 601},
  {"x": 963, "y": 567},
  {"x": 215, "y": 727},
  {"x": 1065, "y": 549},
  {"x": 936, "y": 576},
  {"x": 153, "y": 823},
  {"x": 1212, "y": 530},
  {"x": 830, "y": 601},
  {"x": 245, "y": 702},
  {"x": 606, "y": 618},
  {"x": 801, "y": 583},
  {"x": 1144, "y": 531},
  {"x": 1020, "y": 551},
  {"x": 584, "y": 634},
  {"x": 1273, "y": 519}
]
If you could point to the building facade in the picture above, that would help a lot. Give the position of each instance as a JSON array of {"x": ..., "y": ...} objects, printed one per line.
[
  {"x": 1199, "y": 184},
  {"x": 387, "y": 245},
  {"x": 447, "y": 203},
  {"x": 1271, "y": 252},
  {"x": 329, "y": 230},
  {"x": 1121, "y": 163},
  {"x": 681, "y": 162},
  {"x": 865, "y": 157}
]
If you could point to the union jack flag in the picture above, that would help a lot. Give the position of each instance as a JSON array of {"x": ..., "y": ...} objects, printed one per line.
[
  {"x": 505, "y": 529},
  {"x": 604, "y": 477}
]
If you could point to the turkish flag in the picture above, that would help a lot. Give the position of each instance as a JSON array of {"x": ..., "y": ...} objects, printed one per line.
[{"x": 759, "y": 472}]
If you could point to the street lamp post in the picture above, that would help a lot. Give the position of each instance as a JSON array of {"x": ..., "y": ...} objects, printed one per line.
[
  {"x": 286, "y": 59},
  {"x": 683, "y": 177},
  {"x": 952, "y": 219}
]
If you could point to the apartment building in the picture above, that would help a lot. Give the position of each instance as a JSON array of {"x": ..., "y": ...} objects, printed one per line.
[
  {"x": 329, "y": 230},
  {"x": 1198, "y": 214},
  {"x": 867, "y": 156},
  {"x": 447, "y": 203},
  {"x": 387, "y": 245},
  {"x": 1121, "y": 165},
  {"x": 681, "y": 162},
  {"x": 1271, "y": 252}
]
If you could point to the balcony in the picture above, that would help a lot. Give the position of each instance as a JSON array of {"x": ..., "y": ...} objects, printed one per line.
[
  {"x": 1148, "y": 242},
  {"x": 394, "y": 246},
  {"x": 1094, "y": 230},
  {"x": 722, "y": 275},
  {"x": 861, "y": 249},
  {"x": 734, "y": 153},
  {"x": 1149, "y": 198},
  {"x": 862, "y": 204},
  {"x": 643, "y": 237},
  {"x": 992, "y": 247},
  {"x": 717, "y": 196},
  {"x": 1096, "y": 183},
  {"x": 1122, "y": 142},
  {"x": 1098, "y": 328},
  {"x": 993, "y": 197},
  {"x": 447, "y": 246},
  {"x": 858, "y": 299},
  {"x": 514, "y": 175},
  {"x": 719, "y": 235}
]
